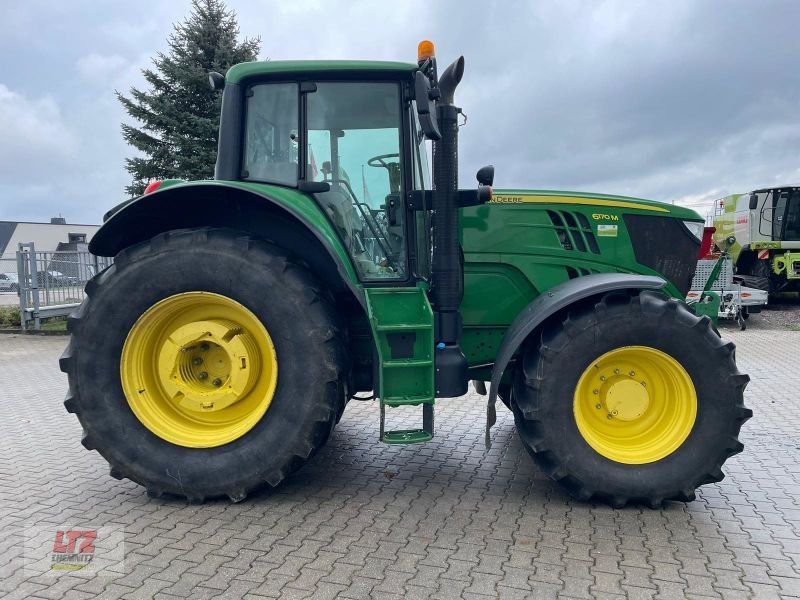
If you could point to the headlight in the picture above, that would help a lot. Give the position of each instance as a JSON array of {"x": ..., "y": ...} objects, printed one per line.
[{"x": 695, "y": 228}]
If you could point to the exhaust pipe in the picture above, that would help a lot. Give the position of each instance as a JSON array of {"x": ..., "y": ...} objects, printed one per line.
[{"x": 447, "y": 278}]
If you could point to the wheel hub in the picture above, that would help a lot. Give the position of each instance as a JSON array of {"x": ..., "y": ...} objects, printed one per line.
[
  {"x": 635, "y": 405},
  {"x": 199, "y": 369},
  {"x": 208, "y": 365},
  {"x": 626, "y": 399}
]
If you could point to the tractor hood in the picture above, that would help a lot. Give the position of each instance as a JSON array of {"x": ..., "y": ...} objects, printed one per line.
[
  {"x": 626, "y": 203},
  {"x": 562, "y": 235}
]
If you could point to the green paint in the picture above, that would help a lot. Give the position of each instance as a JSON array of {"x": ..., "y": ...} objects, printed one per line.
[
  {"x": 306, "y": 208},
  {"x": 280, "y": 68},
  {"x": 402, "y": 317},
  {"x": 402, "y": 325},
  {"x": 512, "y": 254},
  {"x": 587, "y": 198},
  {"x": 407, "y": 436}
]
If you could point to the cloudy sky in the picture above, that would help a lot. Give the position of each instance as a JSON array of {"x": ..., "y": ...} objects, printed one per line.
[{"x": 671, "y": 100}]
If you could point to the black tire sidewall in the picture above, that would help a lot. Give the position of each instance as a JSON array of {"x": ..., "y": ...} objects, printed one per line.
[
  {"x": 684, "y": 341},
  {"x": 262, "y": 281}
]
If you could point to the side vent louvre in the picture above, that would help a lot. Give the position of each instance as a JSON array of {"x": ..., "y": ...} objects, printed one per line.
[{"x": 574, "y": 231}]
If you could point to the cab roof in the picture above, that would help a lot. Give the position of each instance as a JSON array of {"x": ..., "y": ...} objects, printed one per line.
[{"x": 268, "y": 68}]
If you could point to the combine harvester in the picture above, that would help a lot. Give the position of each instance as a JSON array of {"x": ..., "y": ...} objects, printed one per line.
[{"x": 766, "y": 225}]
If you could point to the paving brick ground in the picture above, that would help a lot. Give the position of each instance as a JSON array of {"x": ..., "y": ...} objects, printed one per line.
[{"x": 442, "y": 520}]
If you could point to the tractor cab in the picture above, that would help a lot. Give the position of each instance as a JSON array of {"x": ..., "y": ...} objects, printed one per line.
[
  {"x": 345, "y": 133},
  {"x": 341, "y": 140},
  {"x": 778, "y": 213}
]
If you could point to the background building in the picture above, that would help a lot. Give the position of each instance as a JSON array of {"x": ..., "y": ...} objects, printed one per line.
[{"x": 57, "y": 235}]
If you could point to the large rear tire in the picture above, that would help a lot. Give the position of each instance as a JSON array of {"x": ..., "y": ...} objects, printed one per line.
[
  {"x": 204, "y": 363},
  {"x": 630, "y": 399}
]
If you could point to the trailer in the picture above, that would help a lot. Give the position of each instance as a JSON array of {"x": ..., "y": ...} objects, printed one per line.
[{"x": 736, "y": 301}]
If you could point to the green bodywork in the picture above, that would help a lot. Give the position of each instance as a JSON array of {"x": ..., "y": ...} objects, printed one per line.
[
  {"x": 243, "y": 71},
  {"x": 512, "y": 254},
  {"x": 518, "y": 246}
]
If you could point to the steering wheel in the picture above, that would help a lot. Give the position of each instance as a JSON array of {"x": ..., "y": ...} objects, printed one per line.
[{"x": 380, "y": 161}]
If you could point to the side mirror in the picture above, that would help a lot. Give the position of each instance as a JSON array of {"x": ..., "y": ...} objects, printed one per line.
[
  {"x": 426, "y": 108},
  {"x": 216, "y": 80},
  {"x": 753, "y": 201},
  {"x": 485, "y": 175}
]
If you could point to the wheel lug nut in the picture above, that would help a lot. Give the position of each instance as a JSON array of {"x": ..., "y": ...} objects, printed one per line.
[
  {"x": 202, "y": 375},
  {"x": 632, "y": 373},
  {"x": 602, "y": 377},
  {"x": 616, "y": 371},
  {"x": 595, "y": 392},
  {"x": 609, "y": 417},
  {"x": 197, "y": 361},
  {"x": 598, "y": 406},
  {"x": 217, "y": 382}
]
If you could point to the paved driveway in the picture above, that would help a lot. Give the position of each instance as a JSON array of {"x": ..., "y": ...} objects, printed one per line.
[{"x": 444, "y": 520}]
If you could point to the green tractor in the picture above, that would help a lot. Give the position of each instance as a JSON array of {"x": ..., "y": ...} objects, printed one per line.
[
  {"x": 766, "y": 225},
  {"x": 321, "y": 265}
]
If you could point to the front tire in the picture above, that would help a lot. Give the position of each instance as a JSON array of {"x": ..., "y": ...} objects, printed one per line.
[
  {"x": 205, "y": 363},
  {"x": 633, "y": 398}
]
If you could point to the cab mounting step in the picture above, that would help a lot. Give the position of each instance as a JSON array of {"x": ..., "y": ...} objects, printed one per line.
[{"x": 408, "y": 436}]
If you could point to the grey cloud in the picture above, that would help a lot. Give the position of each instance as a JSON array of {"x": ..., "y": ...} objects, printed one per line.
[{"x": 678, "y": 100}]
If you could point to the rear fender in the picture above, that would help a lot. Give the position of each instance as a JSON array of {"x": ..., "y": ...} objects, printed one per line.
[
  {"x": 548, "y": 304},
  {"x": 287, "y": 217}
]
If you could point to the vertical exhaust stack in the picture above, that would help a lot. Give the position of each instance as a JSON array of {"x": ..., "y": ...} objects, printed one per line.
[{"x": 447, "y": 287}]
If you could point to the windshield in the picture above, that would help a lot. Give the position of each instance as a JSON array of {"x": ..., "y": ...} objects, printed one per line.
[
  {"x": 354, "y": 145},
  {"x": 788, "y": 210}
]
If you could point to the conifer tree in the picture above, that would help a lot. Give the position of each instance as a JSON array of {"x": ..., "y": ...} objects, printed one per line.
[{"x": 179, "y": 115}]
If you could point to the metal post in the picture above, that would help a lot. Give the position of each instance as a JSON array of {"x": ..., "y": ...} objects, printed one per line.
[
  {"x": 34, "y": 284},
  {"x": 22, "y": 280}
]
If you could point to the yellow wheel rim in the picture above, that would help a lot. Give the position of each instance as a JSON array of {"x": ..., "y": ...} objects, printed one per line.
[
  {"x": 199, "y": 369},
  {"x": 635, "y": 405}
]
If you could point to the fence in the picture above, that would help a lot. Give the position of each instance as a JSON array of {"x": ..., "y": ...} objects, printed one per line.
[{"x": 51, "y": 284}]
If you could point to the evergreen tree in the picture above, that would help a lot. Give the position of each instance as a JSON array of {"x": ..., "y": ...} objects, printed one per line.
[{"x": 179, "y": 114}]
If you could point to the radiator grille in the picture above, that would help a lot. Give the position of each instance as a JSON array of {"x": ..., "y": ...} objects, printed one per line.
[{"x": 573, "y": 231}]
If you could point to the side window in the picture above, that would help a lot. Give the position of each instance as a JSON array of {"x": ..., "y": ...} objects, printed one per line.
[
  {"x": 791, "y": 230},
  {"x": 270, "y": 152},
  {"x": 354, "y": 144}
]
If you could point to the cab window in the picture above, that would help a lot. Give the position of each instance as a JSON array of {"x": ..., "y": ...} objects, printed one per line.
[
  {"x": 354, "y": 131},
  {"x": 270, "y": 150}
]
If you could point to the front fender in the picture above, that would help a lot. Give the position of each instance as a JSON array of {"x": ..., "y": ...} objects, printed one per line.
[{"x": 546, "y": 305}]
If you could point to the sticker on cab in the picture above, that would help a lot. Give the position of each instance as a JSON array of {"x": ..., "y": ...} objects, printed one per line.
[{"x": 607, "y": 231}]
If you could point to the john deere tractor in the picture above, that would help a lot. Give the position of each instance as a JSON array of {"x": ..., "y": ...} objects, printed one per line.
[{"x": 321, "y": 264}]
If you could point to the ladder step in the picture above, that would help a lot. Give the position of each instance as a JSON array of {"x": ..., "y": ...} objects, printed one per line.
[
  {"x": 406, "y": 401},
  {"x": 407, "y": 436},
  {"x": 407, "y": 362},
  {"x": 405, "y": 327}
]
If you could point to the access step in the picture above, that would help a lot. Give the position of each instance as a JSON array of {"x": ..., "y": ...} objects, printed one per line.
[{"x": 409, "y": 436}]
